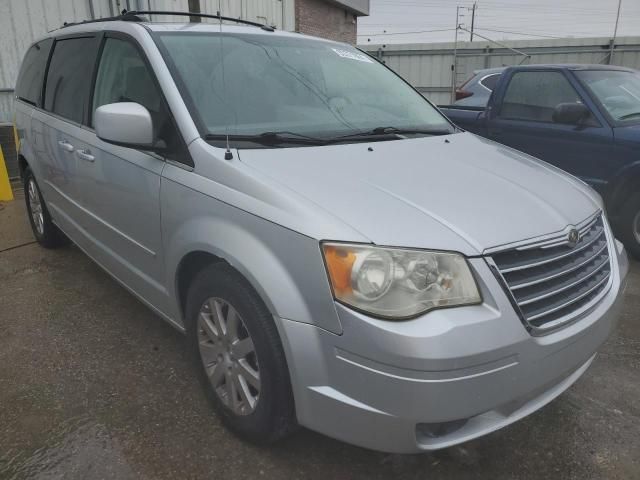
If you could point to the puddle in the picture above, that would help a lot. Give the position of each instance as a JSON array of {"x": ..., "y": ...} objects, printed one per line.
[{"x": 78, "y": 449}]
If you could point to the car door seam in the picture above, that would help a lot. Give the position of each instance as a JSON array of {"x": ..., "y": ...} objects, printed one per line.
[{"x": 96, "y": 217}]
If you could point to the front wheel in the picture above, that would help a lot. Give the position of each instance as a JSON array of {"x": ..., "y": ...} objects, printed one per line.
[
  {"x": 238, "y": 355},
  {"x": 629, "y": 227}
]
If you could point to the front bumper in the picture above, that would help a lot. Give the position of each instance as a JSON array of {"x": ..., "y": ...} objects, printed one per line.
[{"x": 441, "y": 379}]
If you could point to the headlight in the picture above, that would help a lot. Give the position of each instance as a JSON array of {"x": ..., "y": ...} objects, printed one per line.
[{"x": 396, "y": 283}]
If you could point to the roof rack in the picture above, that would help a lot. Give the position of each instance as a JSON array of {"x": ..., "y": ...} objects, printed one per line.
[
  {"x": 134, "y": 16},
  {"x": 124, "y": 17}
]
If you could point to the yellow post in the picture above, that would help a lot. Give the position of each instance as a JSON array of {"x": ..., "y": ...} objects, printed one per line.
[
  {"x": 5, "y": 187},
  {"x": 16, "y": 138}
]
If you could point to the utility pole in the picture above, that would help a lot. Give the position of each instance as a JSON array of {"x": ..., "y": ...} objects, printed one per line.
[
  {"x": 615, "y": 33},
  {"x": 473, "y": 18},
  {"x": 455, "y": 57},
  {"x": 194, "y": 7}
]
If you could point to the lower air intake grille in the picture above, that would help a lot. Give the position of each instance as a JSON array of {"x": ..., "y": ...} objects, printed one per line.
[{"x": 552, "y": 281}]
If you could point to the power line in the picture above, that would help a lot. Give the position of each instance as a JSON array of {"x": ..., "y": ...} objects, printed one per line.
[
  {"x": 502, "y": 5},
  {"x": 404, "y": 33},
  {"x": 490, "y": 21},
  {"x": 547, "y": 18},
  {"x": 518, "y": 33},
  {"x": 452, "y": 29}
]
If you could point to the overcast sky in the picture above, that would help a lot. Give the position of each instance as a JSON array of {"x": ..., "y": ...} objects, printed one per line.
[{"x": 397, "y": 19}]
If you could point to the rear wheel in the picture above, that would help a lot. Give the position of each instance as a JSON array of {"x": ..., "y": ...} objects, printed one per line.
[
  {"x": 238, "y": 355},
  {"x": 629, "y": 227},
  {"x": 46, "y": 233}
]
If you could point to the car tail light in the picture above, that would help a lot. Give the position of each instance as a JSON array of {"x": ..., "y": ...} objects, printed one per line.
[{"x": 460, "y": 94}]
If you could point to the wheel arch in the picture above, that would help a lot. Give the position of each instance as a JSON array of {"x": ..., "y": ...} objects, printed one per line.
[
  {"x": 26, "y": 156},
  {"x": 622, "y": 188},
  {"x": 23, "y": 164},
  {"x": 275, "y": 279},
  {"x": 190, "y": 265}
]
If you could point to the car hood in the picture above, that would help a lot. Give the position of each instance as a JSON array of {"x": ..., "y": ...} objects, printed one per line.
[{"x": 456, "y": 192}]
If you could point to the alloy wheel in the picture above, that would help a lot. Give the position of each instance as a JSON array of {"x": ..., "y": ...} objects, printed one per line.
[
  {"x": 35, "y": 206},
  {"x": 228, "y": 355},
  {"x": 636, "y": 227}
]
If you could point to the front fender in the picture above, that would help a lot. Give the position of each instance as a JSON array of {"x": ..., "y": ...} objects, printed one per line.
[
  {"x": 284, "y": 267},
  {"x": 625, "y": 183}
]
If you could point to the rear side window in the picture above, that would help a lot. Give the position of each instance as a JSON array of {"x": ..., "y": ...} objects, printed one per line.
[
  {"x": 29, "y": 84},
  {"x": 490, "y": 81},
  {"x": 69, "y": 77},
  {"x": 535, "y": 95}
]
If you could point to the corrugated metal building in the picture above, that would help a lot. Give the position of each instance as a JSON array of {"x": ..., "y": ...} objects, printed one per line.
[
  {"x": 23, "y": 21},
  {"x": 428, "y": 67}
]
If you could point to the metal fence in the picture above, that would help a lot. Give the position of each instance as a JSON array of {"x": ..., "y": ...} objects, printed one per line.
[{"x": 429, "y": 67}]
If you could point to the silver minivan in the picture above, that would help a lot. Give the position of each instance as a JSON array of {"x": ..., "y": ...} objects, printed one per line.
[{"x": 339, "y": 255}]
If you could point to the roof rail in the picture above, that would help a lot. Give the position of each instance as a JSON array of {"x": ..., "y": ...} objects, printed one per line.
[
  {"x": 201, "y": 15},
  {"x": 126, "y": 16},
  {"x": 134, "y": 16}
]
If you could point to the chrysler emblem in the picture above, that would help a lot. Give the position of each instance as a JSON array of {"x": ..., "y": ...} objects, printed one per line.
[{"x": 573, "y": 237}]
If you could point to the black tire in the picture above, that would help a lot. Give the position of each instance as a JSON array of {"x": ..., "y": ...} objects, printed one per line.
[
  {"x": 273, "y": 417},
  {"x": 48, "y": 235},
  {"x": 627, "y": 226}
]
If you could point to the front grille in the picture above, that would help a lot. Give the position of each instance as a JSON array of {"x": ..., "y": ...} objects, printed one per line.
[{"x": 551, "y": 282}]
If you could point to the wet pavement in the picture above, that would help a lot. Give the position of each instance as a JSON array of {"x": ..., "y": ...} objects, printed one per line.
[{"x": 94, "y": 385}]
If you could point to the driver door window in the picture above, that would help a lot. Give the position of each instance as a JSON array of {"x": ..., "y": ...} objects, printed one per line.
[
  {"x": 525, "y": 122},
  {"x": 533, "y": 96},
  {"x": 123, "y": 76}
]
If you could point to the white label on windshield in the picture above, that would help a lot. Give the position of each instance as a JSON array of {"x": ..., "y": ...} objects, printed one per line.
[{"x": 361, "y": 57}]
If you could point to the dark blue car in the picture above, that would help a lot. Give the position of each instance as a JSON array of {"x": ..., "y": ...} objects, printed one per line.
[{"x": 584, "y": 119}]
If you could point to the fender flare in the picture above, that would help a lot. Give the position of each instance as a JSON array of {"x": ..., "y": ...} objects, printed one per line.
[
  {"x": 622, "y": 186},
  {"x": 277, "y": 283}
]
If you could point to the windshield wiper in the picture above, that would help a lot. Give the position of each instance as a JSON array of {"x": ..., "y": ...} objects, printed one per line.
[
  {"x": 629, "y": 115},
  {"x": 270, "y": 138},
  {"x": 395, "y": 131},
  {"x": 286, "y": 137}
]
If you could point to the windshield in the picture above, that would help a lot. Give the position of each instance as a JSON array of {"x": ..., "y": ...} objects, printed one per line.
[
  {"x": 618, "y": 91},
  {"x": 265, "y": 84}
]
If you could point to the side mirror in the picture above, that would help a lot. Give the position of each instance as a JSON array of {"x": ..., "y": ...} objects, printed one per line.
[
  {"x": 571, "y": 113},
  {"x": 127, "y": 124}
]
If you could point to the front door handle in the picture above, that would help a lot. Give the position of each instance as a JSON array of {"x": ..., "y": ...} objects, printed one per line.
[
  {"x": 85, "y": 155},
  {"x": 66, "y": 146}
]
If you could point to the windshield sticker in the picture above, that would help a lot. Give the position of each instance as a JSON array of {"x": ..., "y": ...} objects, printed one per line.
[{"x": 361, "y": 57}]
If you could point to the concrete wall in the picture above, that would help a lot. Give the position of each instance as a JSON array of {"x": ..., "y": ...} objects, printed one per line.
[{"x": 428, "y": 66}]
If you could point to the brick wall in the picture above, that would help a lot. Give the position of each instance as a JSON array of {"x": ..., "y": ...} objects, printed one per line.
[{"x": 322, "y": 18}]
